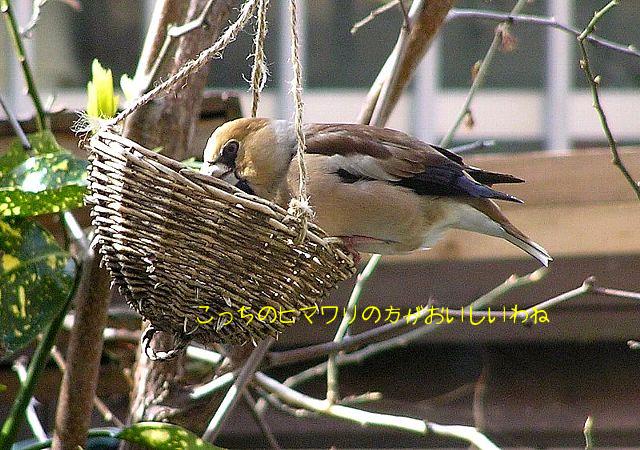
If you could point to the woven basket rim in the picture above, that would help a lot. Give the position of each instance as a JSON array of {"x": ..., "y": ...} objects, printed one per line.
[{"x": 222, "y": 189}]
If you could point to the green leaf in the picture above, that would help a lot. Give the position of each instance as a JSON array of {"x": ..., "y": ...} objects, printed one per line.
[
  {"x": 193, "y": 163},
  {"x": 36, "y": 278},
  {"x": 163, "y": 436},
  {"x": 49, "y": 182},
  {"x": 41, "y": 142}
]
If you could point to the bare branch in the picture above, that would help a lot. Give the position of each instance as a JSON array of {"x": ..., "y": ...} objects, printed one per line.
[
  {"x": 19, "y": 367},
  {"x": 594, "y": 83},
  {"x": 456, "y": 14},
  {"x": 366, "y": 418},
  {"x": 235, "y": 392},
  {"x": 404, "y": 339},
  {"x": 480, "y": 76},
  {"x": 260, "y": 421},
  {"x": 373, "y": 14}
]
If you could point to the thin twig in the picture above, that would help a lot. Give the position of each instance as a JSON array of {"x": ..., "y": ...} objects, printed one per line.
[
  {"x": 12, "y": 26},
  {"x": 31, "y": 415},
  {"x": 213, "y": 386},
  {"x": 473, "y": 146},
  {"x": 17, "y": 129},
  {"x": 481, "y": 75},
  {"x": 594, "y": 82},
  {"x": 348, "y": 343},
  {"x": 456, "y": 14},
  {"x": 233, "y": 394},
  {"x": 174, "y": 32},
  {"x": 356, "y": 293},
  {"x": 487, "y": 299},
  {"x": 191, "y": 66},
  {"x": 373, "y": 14},
  {"x": 380, "y": 112},
  {"x": 366, "y": 418},
  {"x": 405, "y": 15},
  {"x": 260, "y": 421},
  {"x": 35, "y": 15},
  {"x": 589, "y": 444},
  {"x": 269, "y": 398}
]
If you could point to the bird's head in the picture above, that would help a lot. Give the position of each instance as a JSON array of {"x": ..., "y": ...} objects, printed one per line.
[{"x": 252, "y": 154}]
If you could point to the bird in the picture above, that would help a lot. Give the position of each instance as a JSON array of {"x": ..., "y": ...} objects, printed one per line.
[{"x": 379, "y": 190}]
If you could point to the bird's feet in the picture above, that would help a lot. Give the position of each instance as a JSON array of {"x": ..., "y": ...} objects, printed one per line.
[{"x": 350, "y": 243}]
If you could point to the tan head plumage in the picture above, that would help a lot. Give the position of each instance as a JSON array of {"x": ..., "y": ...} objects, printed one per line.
[{"x": 260, "y": 158}]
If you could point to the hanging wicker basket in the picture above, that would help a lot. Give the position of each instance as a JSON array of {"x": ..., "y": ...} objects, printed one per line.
[{"x": 196, "y": 256}]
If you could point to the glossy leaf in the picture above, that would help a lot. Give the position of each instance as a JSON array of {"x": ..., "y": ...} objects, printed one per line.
[
  {"x": 36, "y": 278},
  {"x": 50, "y": 181},
  {"x": 163, "y": 436}
]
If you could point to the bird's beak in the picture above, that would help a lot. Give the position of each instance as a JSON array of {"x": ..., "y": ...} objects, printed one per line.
[
  {"x": 219, "y": 170},
  {"x": 214, "y": 169}
]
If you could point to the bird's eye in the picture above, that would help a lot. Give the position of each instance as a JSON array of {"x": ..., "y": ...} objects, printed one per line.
[{"x": 230, "y": 151}]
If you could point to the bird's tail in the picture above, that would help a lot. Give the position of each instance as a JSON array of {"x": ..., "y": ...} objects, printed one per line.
[{"x": 484, "y": 216}]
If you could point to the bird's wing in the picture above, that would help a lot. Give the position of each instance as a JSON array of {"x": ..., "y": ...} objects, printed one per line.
[{"x": 361, "y": 152}]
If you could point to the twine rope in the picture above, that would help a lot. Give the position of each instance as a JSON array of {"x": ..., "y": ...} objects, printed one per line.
[
  {"x": 215, "y": 51},
  {"x": 259, "y": 71},
  {"x": 299, "y": 207}
]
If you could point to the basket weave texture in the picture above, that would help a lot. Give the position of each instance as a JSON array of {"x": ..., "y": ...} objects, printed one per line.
[{"x": 193, "y": 254}]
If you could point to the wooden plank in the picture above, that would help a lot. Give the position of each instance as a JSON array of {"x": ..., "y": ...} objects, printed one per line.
[{"x": 581, "y": 177}]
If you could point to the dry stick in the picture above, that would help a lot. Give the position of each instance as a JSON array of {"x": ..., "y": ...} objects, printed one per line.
[
  {"x": 594, "y": 82},
  {"x": 367, "y": 337},
  {"x": 348, "y": 343},
  {"x": 174, "y": 32},
  {"x": 30, "y": 414},
  {"x": 373, "y": 14},
  {"x": 456, "y": 14},
  {"x": 510, "y": 284},
  {"x": 260, "y": 421},
  {"x": 366, "y": 418},
  {"x": 480, "y": 76},
  {"x": 473, "y": 146},
  {"x": 98, "y": 404},
  {"x": 193, "y": 65},
  {"x": 235, "y": 392}
]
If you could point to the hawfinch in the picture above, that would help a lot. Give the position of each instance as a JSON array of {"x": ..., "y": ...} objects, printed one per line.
[{"x": 380, "y": 190}]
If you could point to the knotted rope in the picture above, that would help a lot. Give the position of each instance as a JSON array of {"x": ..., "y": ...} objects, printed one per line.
[{"x": 298, "y": 207}]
